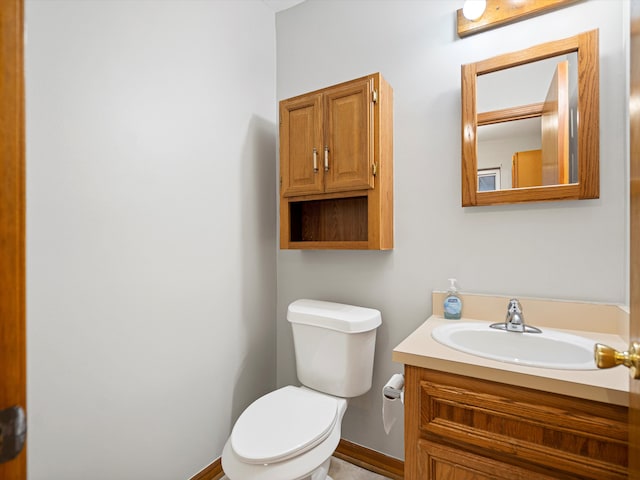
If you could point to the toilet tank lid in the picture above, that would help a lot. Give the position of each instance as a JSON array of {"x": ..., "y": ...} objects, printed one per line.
[{"x": 335, "y": 316}]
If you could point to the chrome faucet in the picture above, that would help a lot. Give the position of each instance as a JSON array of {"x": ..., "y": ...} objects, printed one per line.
[
  {"x": 515, "y": 317},
  {"x": 514, "y": 322}
]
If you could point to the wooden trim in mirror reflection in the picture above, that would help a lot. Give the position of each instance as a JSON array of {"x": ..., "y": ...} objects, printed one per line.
[
  {"x": 588, "y": 186},
  {"x": 503, "y": 12},
  {"x": 510, "y": 114}
]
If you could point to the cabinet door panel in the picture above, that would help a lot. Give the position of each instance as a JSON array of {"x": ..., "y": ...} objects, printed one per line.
[
  {"x": 349, "y": 137},
  {"x": 300, "y": 135},
  {"x": 438, "y": 462}
]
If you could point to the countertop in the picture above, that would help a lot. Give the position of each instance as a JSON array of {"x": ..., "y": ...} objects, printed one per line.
[{"x": 610, "y": 386}]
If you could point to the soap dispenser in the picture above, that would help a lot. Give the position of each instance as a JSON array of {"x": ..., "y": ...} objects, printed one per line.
[{"x": 452, "y": 302}]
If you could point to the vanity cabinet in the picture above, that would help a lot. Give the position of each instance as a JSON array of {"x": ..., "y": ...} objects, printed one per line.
[
  {"x": 336, "y": 167},
  {"x": 459, "y": 428}
]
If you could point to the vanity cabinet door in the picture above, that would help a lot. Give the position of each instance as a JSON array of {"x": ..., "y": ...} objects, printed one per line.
[
  {"x": 439, "y": 462},
  {"x": 348, "y": 149},
  {"x": 301, "y": 145}
]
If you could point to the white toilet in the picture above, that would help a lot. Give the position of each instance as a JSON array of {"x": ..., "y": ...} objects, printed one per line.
[{"x": 291, "y": 433}]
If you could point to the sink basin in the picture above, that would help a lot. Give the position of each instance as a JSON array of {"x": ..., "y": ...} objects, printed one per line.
[{"x": 549, "y": 349}]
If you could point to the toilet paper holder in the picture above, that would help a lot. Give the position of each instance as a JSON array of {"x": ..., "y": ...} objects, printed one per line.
[
  {"x": 392, "y": 393},
  {"x": 394, "y": 388}
]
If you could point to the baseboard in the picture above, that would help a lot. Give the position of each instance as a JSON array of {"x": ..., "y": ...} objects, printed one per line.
[
  {"x": 350, "y": 452},
  {"x": 370, "y": 460},
  {"x": 212, "y": 472}
]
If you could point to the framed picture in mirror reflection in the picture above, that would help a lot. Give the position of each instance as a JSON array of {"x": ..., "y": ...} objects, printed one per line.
[{"x": 488, "y": 179}]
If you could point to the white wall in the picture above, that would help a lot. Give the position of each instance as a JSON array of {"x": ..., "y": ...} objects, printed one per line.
[
  {"x": 567, "y": 250},
  {"x": 151, "y": 226}
]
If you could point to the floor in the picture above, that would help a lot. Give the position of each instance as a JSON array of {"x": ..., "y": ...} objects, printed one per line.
[{"x": 341, "y": 470}]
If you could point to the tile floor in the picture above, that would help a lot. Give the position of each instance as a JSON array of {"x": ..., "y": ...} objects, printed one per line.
[{"x": 341, "y": 470}]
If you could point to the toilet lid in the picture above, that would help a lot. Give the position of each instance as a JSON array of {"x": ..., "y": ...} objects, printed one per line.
[{"x": 282, "y": 424}]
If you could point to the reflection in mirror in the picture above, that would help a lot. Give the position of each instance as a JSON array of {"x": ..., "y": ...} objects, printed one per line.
[
  {"x": 520, "y": 118},
  {"x": 489, "y": 179},
  {"x": 535, "y": 151}
]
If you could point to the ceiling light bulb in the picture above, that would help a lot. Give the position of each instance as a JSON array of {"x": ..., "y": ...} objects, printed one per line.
[{"x": 473, "y": 9}]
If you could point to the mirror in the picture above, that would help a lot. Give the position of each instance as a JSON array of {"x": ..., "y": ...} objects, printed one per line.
[
  {"x": 530, "y": 124},
  {"x": 536, "y": 151}
]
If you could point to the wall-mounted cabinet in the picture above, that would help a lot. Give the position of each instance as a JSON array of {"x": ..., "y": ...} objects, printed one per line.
[{"x": 336, "y": 167}]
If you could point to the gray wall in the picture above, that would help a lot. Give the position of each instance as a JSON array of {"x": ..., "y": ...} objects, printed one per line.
[
  {"x": 151, "y": 228},
  {"x": 565, "y": 250}
]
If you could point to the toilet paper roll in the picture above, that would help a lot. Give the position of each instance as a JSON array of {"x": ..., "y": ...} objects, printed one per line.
[{"x": 391, "y": 408}]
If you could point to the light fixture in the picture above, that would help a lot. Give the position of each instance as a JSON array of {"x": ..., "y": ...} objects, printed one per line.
[{"x": 473, "y": 9}]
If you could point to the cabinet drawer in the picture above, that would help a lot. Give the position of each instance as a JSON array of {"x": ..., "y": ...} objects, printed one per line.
[{"x": 580, "y": 437}]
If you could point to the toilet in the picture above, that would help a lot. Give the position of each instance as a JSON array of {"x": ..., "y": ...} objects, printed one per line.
[{"x": 291, "y": 433}]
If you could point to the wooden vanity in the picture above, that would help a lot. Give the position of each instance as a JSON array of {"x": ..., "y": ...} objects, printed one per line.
[
  {"x": 458, "y": 427},
  {"x": 468, "y": 417}
]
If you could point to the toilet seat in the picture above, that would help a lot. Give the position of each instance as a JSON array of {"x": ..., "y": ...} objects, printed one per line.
[{"x": 283, "y": 424}]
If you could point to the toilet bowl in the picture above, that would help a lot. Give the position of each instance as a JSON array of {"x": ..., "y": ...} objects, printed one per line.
[{"x": 291, "y": 433}]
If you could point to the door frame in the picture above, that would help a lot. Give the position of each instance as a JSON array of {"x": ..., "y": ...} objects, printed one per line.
[
  {"x": 12, "y": 221},
  {"x": 634, "y": 233}
]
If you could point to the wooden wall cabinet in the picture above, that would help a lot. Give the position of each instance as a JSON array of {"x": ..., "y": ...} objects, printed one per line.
[
  {"x": 460, "y": 428},
  {"x": 336, "y": 167}
]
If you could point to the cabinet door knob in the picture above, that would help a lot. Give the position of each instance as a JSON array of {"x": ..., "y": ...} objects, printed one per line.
[
  {"x": 326, "y": 158},
  {"x": 315, "y": 160}
]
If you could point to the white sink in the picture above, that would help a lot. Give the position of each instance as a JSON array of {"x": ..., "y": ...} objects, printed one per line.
[{"x": 549, "y": 349}]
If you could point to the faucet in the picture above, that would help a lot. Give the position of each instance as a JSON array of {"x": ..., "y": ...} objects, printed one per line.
[
  {"x": 515, "y": 317},
  {"x": 514, "y": 322}
]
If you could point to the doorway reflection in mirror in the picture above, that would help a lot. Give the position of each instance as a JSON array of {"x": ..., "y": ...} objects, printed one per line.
[{"x": 525, "y": 124}]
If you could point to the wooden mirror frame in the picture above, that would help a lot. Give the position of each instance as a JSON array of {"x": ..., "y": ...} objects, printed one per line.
[{"x": 588, "y": 186}]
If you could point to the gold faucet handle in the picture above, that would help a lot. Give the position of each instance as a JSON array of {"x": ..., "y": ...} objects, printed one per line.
[{"x": 608, "y": 357}]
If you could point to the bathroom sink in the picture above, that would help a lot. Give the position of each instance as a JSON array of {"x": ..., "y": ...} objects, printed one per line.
[{"x": 549, "y": 349}]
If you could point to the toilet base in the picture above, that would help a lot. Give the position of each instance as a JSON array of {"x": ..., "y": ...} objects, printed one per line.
[
  {"x": 319, "y": 474},
  {"x": 325, "y": 478}
]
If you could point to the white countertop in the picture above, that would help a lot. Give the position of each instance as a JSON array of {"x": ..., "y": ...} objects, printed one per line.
[{"x": 610, "y": 386}]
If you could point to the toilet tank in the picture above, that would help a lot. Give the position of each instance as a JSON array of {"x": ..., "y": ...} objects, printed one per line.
[{"x": 334, "y": 345}]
